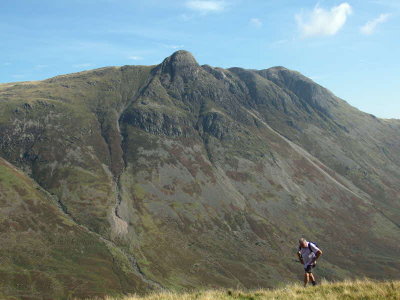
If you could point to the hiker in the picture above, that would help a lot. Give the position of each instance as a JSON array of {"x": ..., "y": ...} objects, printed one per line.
[{"x": 308, "y": 254}]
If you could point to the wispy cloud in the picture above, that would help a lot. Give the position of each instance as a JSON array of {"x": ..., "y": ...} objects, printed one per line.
[
  {"x": 134, "y": 57},
  {"x": 370, "y": 26},
  {"x": 206, "y": 6},
  {"x": 256, "y": 22},
  {"x": 322, "y": 22}
]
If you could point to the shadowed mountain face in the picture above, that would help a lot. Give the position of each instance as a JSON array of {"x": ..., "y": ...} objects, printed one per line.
[{"x": 188, "y": 176}]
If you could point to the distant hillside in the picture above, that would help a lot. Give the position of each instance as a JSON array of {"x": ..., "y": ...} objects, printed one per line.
[{"x": 135, "y": 178}]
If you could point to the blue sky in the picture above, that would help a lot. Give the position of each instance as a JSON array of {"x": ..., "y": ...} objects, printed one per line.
[{"x": 350, "y": 47}]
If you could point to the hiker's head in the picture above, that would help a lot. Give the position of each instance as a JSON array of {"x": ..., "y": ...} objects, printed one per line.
[{"x": 303, "y": 242}]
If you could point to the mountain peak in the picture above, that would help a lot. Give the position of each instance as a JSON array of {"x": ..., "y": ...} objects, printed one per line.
[
  {"x": 183, "y": 56},
  {"x": 180, "y": 62}
]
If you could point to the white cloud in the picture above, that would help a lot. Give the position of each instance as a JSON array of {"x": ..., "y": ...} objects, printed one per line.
[
  {"x": 256, "y": 22},
  {"x": 322, "y": 22},
  {"x": 369, "y": 27},
  {"x": 135, "y": 57},
  {"x": 206, "y": 6}
]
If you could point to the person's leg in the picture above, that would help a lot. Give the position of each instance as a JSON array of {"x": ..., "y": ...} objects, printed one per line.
[
  {"x": 312, "y": 278},
  {"x": 306, "y": 278}
]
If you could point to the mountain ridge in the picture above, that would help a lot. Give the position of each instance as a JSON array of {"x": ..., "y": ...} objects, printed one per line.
[
  {"x": 206, "y": 176},
  {"x": 7, "y": 84}
]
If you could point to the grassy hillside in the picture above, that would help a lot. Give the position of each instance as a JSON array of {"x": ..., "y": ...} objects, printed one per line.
[
  {"x": 198, "y": 177},
  {"x": 365, "y": 289},
  {"x": 46, "y": 255}
]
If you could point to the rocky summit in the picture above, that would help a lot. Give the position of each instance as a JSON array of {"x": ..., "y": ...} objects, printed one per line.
[{"x": 180, "y": 176}]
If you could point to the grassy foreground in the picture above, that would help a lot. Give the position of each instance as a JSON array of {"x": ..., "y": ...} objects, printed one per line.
[{"x": 362, "y": 289}]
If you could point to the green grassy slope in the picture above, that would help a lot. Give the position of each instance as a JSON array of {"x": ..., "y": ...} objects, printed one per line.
[
  {"x": 45, "y": 255},
  {"x": 367, "y": 290}
]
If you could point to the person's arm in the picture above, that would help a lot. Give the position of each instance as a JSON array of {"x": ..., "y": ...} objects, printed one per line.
[
  {"x": 300, "y": 258},
  {"x": 316, "y": 251},
  {"x": 317, "y": 255}
]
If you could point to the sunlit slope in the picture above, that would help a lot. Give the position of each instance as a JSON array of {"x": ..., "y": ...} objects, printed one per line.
[
  {"x": 367, "y": 290},
  {"x": 207, "y": 177},
  {"x": 44, "y": 254}
]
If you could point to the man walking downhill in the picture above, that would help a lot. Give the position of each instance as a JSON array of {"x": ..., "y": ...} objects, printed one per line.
[{"x": 308, "y": 255}]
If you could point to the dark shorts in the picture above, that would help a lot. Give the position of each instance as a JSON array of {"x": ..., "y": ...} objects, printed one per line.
[{"x": 309, "y": 268}]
